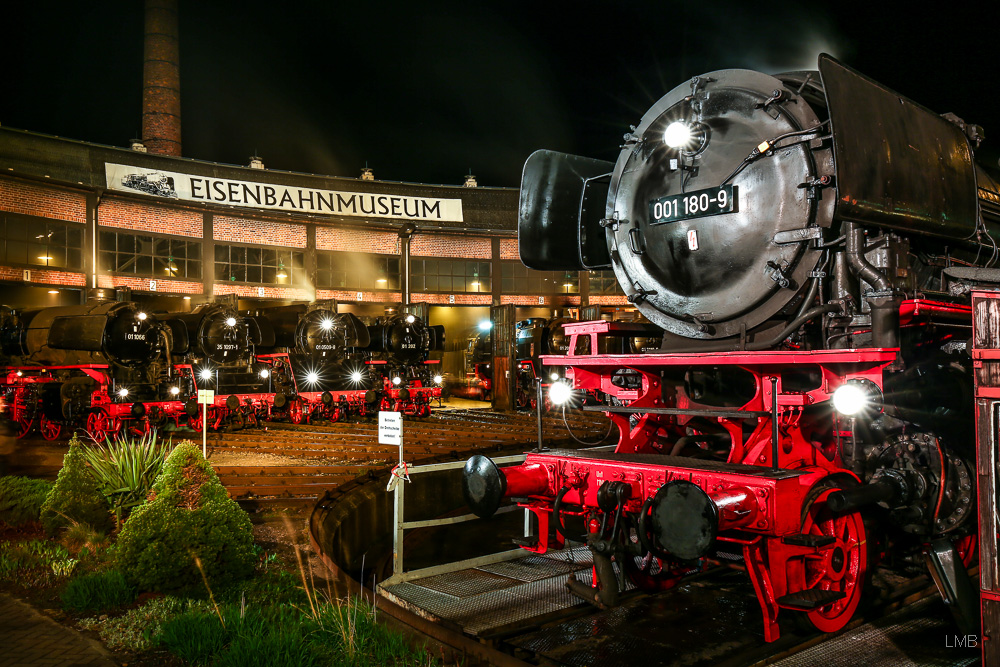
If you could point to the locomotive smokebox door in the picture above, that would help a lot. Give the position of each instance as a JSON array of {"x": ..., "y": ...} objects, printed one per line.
[
  {"x": 560, "y": 211},
  {"x": 710, "y": 224}
]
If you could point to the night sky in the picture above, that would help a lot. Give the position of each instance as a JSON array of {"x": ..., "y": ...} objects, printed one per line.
[{"x": 424, "y": 92}]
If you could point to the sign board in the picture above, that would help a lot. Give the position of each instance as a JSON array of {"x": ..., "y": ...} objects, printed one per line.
[
  {"x": 260, "y": 291},
  {"x": 152, "y": 285},
  {"x": 206, "y": 396},
  {"x": 26, "y": 274},
  {"x": 390, "y": 428},
  {"x": 179, "y": 186}
]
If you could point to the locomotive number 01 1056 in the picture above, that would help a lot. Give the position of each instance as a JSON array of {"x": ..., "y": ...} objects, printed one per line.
[{"x": 697, "y": 204}]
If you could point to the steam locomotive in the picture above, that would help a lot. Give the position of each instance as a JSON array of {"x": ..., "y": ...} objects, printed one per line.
[
  {"x": 806, "y": 242},
  {"x": 110, "y": 367},
  {"x": 536, "y": 337}
]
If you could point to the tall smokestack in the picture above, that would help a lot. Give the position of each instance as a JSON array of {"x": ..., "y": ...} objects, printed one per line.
[{"x": 161, "y": 80}]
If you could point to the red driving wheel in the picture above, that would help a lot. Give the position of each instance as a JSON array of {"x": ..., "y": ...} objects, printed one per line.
[
  {"x": 99, "y": 425},
  {"x": 50, "y": 429},
  {"x": 295, "y": 411},
  {"x": 841, "y": 568}
]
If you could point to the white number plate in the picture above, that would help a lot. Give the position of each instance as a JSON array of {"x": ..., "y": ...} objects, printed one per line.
[{"x": 697, "y": 204}]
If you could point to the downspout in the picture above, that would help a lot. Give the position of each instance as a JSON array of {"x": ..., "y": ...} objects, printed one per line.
[
  {"x": 94, "y": 242},
  {"x": 405, "y": 232}
]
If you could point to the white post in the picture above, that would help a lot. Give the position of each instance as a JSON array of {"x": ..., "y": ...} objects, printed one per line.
[{"x": 204, "y": 430}]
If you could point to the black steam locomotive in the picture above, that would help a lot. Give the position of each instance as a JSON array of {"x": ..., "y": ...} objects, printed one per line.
[
  {"x": 806, "y": 242},
  {"x": 399, "y": 351}
]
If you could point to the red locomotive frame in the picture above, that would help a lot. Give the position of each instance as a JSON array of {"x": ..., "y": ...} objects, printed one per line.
[{"x": 769, "y": 497}]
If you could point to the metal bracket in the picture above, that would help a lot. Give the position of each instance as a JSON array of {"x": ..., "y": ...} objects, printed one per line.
[
  {"x": 816, "y": 184},
  {"x": 611, "y": 222},
  {"x": 798, "y": 235},
  {"x": 778, "y": 274},
  {"x": 640, "y": 295}
]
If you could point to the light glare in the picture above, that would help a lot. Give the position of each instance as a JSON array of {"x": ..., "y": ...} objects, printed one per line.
[
  {"x": 560, "y": 393},
  {"x": 410, "y": 319},
  {"x": 265, "y": 373},
  {"x": 231, "y": 322},
  {"x": 312, "y": 377},
  {"x": 485, "y": 325},
  {"x": 850, "y": 399},
  {"x": 396, "y": 380},
  {"x": 141, "y": 315},
  {"x": 123, "y": 392},
  {"x": 356, "y": 377},
  {"x": 326, "y": 325},
  {"x": 554, "y": 376},
  {"x": 174, "y": 391},
  {"x": 205, "y": 374},
  {"x": 438, "y": 379},
  {"x": 677, "y": 134}
]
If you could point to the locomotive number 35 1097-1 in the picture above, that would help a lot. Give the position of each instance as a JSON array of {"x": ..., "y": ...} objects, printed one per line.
[{"x": 697, "y": 204}]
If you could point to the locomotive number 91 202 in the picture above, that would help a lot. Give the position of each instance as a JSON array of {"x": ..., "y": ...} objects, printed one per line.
[{"x": 697, "y": 204}]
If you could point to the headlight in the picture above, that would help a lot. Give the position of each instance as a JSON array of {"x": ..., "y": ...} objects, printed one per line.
[
  {"x": 205, "y": 374},
  {"x": 230, "y": 321},
  {"x": 312, "y": 377},
  {"x": 438, "y": 379},
  {"x": 326, "y": 325},
  {"x": 141, "y": 315},
  {"x": 857, "y": 396},
  {"x": 356, "y": 377},
  {"x": 677, "y": 134},
  {"x": 174, "y": 391},
  {"x": 410, "y": 319},
  {"x": 397, "y": 380},
  {"x": 123, "y": 392},
  {"x": 264, "y": 374},
  {"x": 560, "y": 393},
  {"x": 554, "y": 376}
]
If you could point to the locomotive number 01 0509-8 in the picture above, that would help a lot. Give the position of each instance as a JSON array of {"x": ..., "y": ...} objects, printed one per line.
[{"x": 697, "y": 204}]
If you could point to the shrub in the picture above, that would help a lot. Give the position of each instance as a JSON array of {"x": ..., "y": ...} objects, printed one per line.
[
  {"x": 21, "y": 499},
  {"x": 98, "y": 591},
  {"x": 75, "y": 498},
  {"x": 189, "y": 516},
  {"x": 17, "y": 557},
  {"x": 125, "y": 469}
]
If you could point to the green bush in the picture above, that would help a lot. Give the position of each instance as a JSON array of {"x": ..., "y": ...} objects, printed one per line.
[
  {"x": 75, "y": 498},
  {"x": 125, "y": 469},
  {"x": 21, "y": 499},
  {"x": 189, "y": 520},
  {"x": 17, "y": 557},
  {"x": 98, "y": 591}
]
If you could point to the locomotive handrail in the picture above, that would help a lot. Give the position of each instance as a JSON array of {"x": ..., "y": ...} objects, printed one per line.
[
  {"x": 398, "y": 575},
  {"x": 728, "y": 414}
]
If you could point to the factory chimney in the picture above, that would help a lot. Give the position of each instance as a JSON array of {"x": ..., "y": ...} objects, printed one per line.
[{"x": 161, "y": 80}]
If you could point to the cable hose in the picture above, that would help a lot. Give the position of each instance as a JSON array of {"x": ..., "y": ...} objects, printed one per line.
[{"x": 611, "y": 425}]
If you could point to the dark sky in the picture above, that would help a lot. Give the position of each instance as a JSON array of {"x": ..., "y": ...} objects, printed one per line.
[{"x": 423, "y": 92}]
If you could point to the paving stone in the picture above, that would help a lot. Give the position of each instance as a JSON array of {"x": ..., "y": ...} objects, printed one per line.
[{"x": 31, "y": 639}]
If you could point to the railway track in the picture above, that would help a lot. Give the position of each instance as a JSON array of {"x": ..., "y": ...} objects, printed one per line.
[{"x": 333, "y": 454}]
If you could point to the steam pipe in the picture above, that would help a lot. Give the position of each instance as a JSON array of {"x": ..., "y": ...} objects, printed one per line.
[{"x": 856, "y": 258}]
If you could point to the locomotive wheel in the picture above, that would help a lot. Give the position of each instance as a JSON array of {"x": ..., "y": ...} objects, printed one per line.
[
  {"x": 650, "y": 574},
  {"x": 99, "y": 425},
  {"x": 843, "y": 568},
  {"x": 194, "y": 422},
  {"x": 24, "y": 425},
  {"x": 49, "y": 429},
  {"x": 295, "y": 411}
]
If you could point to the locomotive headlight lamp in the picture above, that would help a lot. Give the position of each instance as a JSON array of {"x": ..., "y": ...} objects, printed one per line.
[
  {"x": 174, "y": 391},
  {"x": 141, "y": 315},
  {"x": 326, "y": 324},
  {"x": 438, "y": 379},
  {"x": 397, "y": 380},
  {"x": 677, "y": 135},
  {"x": 560, "y": 393},
  {"x": 856, "y": 397},
  {"x": 264, "y": 374},
  {"x": 312, "y": 377},
  {"x": 410, "y": 319},
  {"x": 230, "y": 321},
  {"x": 485, "y": 325},
  {"x": 554, "y": 376},
  {"x": 356, "y": 377},
  {"x": 205, "y": 374},
  {"x": 123, "y": 392}
]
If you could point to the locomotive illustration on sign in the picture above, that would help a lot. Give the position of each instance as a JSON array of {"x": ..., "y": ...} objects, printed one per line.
[{"x": 806, "y": 242}]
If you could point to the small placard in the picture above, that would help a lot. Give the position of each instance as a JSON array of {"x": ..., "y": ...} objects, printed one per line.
[
  {"x": 26, "y": 274},
  {"x": 152, "y": 285},
  {"x": 360, "y": 296},
  {"x": 206, "y": 396},
  {"x": 541, "y": 301},
  {"x": 451, "y": 298},
  {"x": 390, "y": 428},
  {"x": 260, "y": 291}
]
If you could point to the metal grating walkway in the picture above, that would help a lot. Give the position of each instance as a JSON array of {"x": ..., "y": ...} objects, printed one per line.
[{"x": 493, "y": 596}]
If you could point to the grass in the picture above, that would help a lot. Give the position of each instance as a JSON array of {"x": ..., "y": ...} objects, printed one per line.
[
  {"x": 97, "y": 591},
  {"x": 21, "y": 499}
]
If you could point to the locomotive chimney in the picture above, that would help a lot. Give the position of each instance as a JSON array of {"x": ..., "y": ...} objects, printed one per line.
[{"x": 161, "y": 81}]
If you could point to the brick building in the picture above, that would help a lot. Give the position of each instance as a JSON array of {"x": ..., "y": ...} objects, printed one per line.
[{"x": 176, "y": 231}]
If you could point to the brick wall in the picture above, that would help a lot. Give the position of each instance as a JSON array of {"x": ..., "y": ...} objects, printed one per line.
[
  {"x": 142, "y": 284},
  {"x": 460, "y": 299},
  {"x": 263, "y": 292},
  {"x": 148, "y": 218},
  {"x": 44, "y": 276},
  {"x": 373, "y": 297},
  {"x": 356, "y": 240},
  {"x": 608, "y": 300},
  {"x": 439, "y": 245},
  {"x": 45, "y": 202},
  {"x": 508, "y": 249},
  {"x": 262, "y": 232}
]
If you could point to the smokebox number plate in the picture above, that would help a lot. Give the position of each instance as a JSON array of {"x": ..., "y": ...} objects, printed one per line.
[{"x": 697, "y": 204}]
